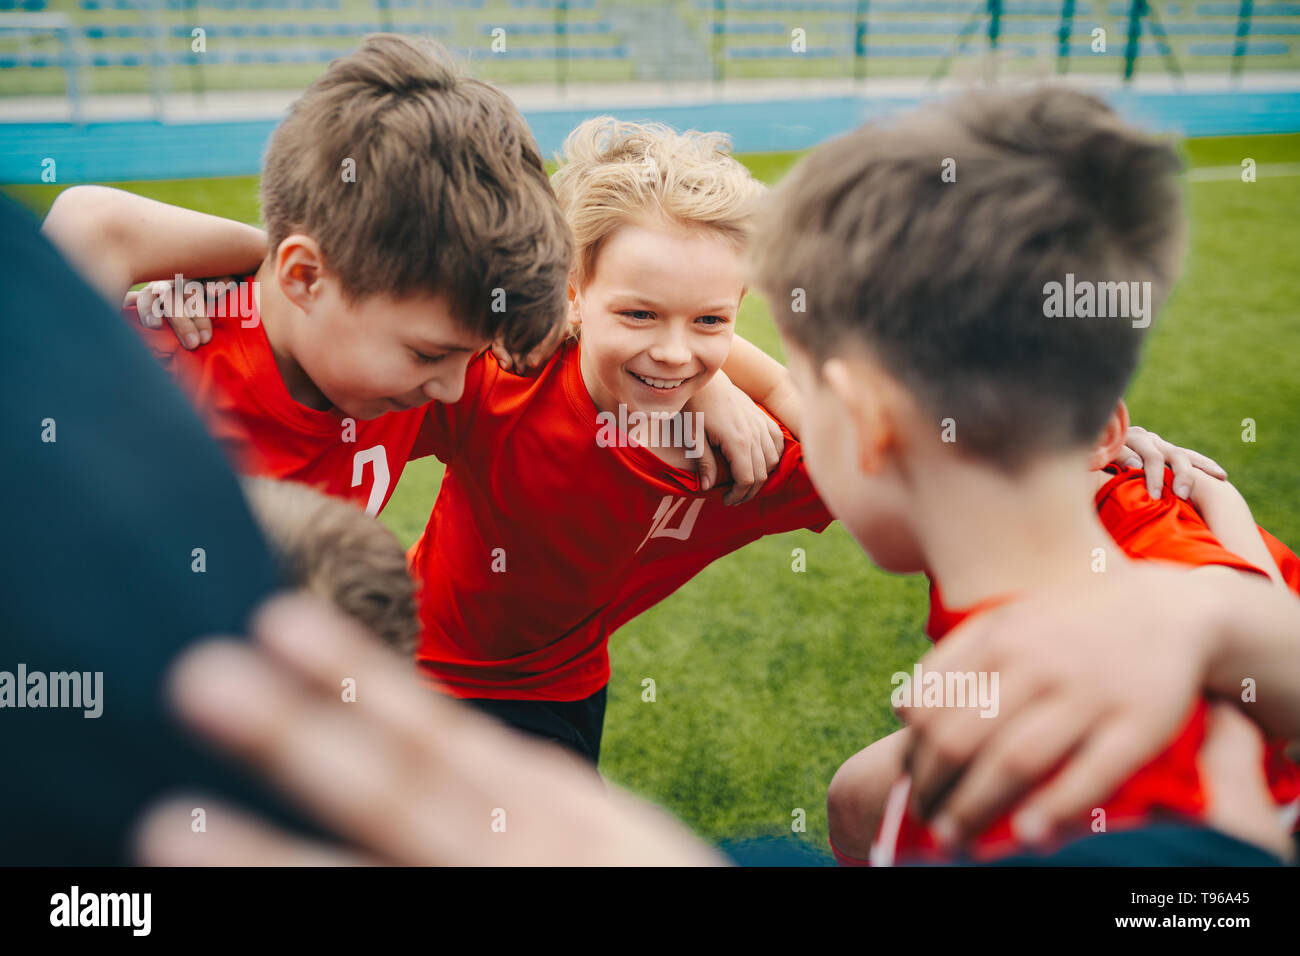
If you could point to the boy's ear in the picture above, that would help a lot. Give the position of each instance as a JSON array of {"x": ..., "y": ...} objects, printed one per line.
[
  {"x": 1111, "y": 440},
  {"x": 299, "y": 267},
  {"x": 860, "y": 394},
  {"x": 575, "y": 313}
]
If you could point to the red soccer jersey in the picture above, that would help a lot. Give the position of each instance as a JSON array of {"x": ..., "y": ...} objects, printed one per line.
[
  {"x": 542, "y": 542},
  {"x": 1170, "y": 784},
  {"x": 236, "y": 386}
]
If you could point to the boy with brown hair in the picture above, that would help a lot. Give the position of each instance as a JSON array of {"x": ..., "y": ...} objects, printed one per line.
[
  {"x": 953, "y": 411},
  {"x": 411, "y": 224},
  {"x": 325, "y": 546}
]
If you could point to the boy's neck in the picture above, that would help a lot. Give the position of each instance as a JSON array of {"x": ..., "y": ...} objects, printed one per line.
[
  {"x": 986, "y": 534},
  {"x": 278, "y": 314}
]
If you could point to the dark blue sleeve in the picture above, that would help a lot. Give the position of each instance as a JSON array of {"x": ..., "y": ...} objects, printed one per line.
[{"x": 108, "y": 485}]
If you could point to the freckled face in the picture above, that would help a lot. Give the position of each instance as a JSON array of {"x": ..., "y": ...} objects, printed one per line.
[{"x": 658, "y": 315}]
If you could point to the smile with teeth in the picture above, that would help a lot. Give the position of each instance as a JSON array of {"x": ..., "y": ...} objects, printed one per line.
[{"x": 663, "y": 384}]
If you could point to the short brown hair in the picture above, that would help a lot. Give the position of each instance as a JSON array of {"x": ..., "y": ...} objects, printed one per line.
[
  {"x": 450, "y": 196},
  {"x": 335, "y": 551},
  {"x": 943, "y": 277}
]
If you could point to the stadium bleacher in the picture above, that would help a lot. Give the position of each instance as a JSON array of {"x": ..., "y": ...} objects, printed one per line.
[{"x": 147, "y": 45}]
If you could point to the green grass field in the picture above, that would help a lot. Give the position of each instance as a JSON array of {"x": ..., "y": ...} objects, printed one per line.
[{"x": 768, "y": 679}]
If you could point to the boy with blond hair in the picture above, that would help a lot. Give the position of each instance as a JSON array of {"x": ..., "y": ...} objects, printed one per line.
[{"x": 570, "y": 503}]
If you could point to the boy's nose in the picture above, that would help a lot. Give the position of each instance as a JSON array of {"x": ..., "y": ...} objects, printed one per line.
[
  {"x": 449, "y": 387},
  {"x": 671, "y": 351}
]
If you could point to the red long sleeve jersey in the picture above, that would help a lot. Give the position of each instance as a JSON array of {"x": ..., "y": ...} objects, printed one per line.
[
  {"x": 1169, "y": 529},
  {"x": 542, "y": 542},
  {"x": 235, "y": 384}
]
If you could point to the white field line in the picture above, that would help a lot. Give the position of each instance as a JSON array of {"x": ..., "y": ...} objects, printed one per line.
[{"x": 1209, "y": 174}]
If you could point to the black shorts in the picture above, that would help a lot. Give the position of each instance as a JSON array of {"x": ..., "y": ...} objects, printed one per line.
[
  {"x": 1156, "y": 844},
  {"x": 575, "y": 724}
]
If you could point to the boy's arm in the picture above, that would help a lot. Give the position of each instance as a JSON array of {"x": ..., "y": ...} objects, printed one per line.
[
  {"x": 1094, "y": 682},
  {"x": 1257, "y": 636},
  {"x": 117, "y": 239},
  {"x": 1228, "y": 516},
  {"x": 765, "y": 380},
  {"x": 749, "y": 440}
]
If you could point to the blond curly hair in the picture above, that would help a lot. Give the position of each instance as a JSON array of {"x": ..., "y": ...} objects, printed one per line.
[{"x": 613, "y": 173}]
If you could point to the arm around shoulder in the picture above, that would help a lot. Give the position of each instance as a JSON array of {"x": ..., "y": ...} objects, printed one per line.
[
  {"x": 765, "y": 380},
  {"x": 117, "y": 239},
  {"x": 81, "y": 224},
  {"x": 1229, "y": 519},
  {"x": 1256, "y": 649}
]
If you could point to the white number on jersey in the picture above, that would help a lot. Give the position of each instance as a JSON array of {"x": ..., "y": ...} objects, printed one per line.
[{"x": 377, "y": 458}]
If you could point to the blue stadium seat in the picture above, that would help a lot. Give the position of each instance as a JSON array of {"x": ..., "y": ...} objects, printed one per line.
[
  {"x": 548, "y": 28},
  {"x": 115, "y": 59},
  {"x": 1207, "y": 28},
  {"x": 118, "y": 31},
  {"x": 551, "y": 53},
  {"x": 951, "y": 28},
  {"x": 187, "y": 5},
  {"x": 1253, "y": 48},
  {"x": 778, "y": 52},
  {"x": 733, "y": 28},
  {"x": 1146, "y": 49},
  {"x": 1261, "y": 9},
  {"x": 34, "y": 61},
  {"x": 1041, "y": 8},
  {"x": 874, "y": 51},
  {"x": 1017, "y": 7}
]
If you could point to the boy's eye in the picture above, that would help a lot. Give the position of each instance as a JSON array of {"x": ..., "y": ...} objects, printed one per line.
[
  {"x": 713, "y": 320},
  {"x": 638, "y": 314},
  {"x": 427, "y": 359}
]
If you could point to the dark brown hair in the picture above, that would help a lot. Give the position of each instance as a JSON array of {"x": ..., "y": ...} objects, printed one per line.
[
  {"x": 931, "y": 242},
  {"x": 416, "y": 179}
]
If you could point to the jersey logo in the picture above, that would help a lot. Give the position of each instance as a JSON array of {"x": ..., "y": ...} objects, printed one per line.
[
  {"x": 668, "y": 509},
  {"x": 377, "y": 459}
]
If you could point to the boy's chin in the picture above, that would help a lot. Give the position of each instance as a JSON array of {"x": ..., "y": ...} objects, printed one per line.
[
  {"x": 364, "y": 410},
  {"x": 665, "y": 409},
  {"x": 887, "y": 554}
]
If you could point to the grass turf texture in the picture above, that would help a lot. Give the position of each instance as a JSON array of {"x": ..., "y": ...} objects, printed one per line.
[{"x": 768, "y": 679}]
